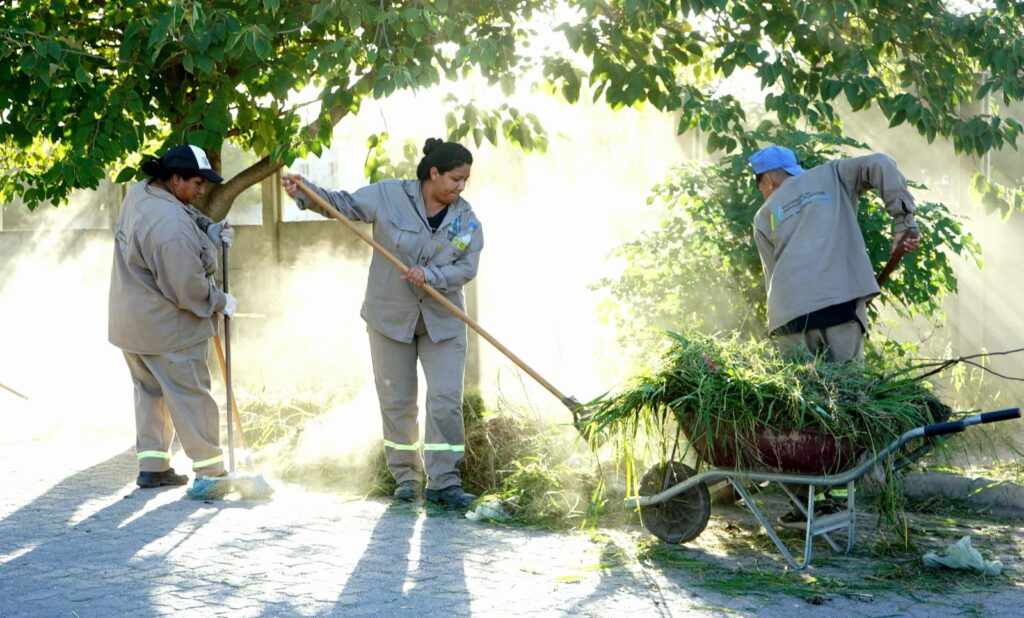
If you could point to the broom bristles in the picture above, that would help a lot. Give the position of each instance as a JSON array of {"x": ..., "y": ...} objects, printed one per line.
[
  {"x": 248, "y": 486},
  {"x": 252, "y": 486}
]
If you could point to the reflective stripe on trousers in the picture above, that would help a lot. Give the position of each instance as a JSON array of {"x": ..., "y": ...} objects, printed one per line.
[{"x": 394, "y": 368}]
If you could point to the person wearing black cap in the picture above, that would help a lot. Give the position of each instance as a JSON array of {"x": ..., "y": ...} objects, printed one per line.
[
  {"x": 162, "y": 313},
  {"x": 424, "y": 222},
  {"x": 816, "y": 266}
]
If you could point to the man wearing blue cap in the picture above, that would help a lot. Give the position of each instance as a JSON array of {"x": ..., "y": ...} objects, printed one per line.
[{"x": 816, "y": 266}]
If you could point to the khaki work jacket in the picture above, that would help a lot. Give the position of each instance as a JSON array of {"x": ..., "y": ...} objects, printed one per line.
[
  {"x": 810, "y": 242},
  {"x": 449, "y": 257},
  {"x": 162, "y": 294}
]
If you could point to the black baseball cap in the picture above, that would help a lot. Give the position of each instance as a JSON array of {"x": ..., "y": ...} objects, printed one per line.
[{"x": 189, "y": 159}]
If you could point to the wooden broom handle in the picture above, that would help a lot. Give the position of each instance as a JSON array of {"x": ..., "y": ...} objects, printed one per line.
[
  {"x": 447, "y": 304},
  {"x": 224, "y": 374}
]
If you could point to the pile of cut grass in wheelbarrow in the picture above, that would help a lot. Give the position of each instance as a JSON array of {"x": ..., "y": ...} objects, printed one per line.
[{"x": 715, "y": 394}]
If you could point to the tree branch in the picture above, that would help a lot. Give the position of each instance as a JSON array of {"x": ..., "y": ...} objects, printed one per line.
[{"x": 220, "y": 199}]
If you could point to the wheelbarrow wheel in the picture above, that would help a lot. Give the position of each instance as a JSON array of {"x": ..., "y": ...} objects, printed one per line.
[{"x": 682, "y": 518}]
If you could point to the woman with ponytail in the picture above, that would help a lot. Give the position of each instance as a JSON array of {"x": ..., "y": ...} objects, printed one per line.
[
  {"x": 427, "y": 224},
  {"x": 162, "y": 313}
]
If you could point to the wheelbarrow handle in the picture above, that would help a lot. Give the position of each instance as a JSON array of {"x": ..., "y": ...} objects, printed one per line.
[
  {"x": 957, "y": 426},
  {"x": 1000, "y": 415}
]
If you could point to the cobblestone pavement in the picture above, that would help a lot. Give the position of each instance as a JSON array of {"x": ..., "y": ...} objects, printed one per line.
[{"x": 77, "y": 538}]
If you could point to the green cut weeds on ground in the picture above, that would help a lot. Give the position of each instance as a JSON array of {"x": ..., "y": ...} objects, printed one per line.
[
  {"x": 541, "y": 471},
  {"x": 269, "y": 417}
]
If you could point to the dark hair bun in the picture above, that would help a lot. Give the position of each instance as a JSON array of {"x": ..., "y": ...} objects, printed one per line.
[
  {"x": 152, "y": 167},
  {"x": 431, "y": 145}
]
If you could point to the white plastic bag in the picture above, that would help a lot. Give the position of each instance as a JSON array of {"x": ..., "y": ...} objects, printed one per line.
[
  {"x": 488, "y": 510},
  {"x": 961, "y": 555}
]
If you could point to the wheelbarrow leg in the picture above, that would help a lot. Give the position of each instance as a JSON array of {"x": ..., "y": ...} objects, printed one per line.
[
  {"x": 845, "y": 518},
  {"x": 851, "y": 504},
  {"x": 769, "y": 528}
]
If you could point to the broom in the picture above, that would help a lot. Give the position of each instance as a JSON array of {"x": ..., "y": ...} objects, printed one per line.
[{"x": 249, "y": 486}]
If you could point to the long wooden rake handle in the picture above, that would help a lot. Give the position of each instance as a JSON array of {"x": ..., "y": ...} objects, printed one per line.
[
  {"x": 12, "y": 391},
  {"x": 569, "y": 402}
]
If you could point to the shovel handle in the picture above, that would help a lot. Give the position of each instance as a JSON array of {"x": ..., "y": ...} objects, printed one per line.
[
  {"x": 890, "y": 266},
  {"x": 433, "y": 293},
  {"x": 12, "y": 391}
]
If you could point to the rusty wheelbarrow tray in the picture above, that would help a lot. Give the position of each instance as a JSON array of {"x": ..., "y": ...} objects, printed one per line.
[{"x": 675, "y": 503}]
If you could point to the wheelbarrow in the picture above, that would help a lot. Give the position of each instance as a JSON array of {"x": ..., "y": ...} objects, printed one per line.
[{"x": 675, "y": 503}]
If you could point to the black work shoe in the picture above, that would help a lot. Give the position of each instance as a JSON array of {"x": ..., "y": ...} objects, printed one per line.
[
  {"x": 451, "y": 496},
  {"x": 168, "y": 477},
  {"x": 408, "y": 490}
]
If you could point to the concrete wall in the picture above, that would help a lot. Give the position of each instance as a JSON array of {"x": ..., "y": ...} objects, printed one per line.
[{"x": 551, "y": 222}]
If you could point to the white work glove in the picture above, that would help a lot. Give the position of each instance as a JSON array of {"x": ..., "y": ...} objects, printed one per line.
[
  {"x": 221, "y": 233},
  {"x": 230, "y": 305}
]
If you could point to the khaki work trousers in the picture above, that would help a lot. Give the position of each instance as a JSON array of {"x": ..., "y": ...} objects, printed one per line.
[
  {"x": 172, "y": 394},
  {"x": 839, "y": 343},
  {"x": 394, "y": 370}
]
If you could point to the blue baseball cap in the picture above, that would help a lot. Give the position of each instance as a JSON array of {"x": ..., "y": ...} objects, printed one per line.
[{"x": 773, "y": 158}]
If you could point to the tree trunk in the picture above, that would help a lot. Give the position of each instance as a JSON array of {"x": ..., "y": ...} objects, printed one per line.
[{"x": 217, "y": 202}]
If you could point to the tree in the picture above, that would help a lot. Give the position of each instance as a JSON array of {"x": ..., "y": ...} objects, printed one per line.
[
  {"x": 86, "y": 85},
  {"x": 944, "y": 72},
  {"x": 922, "y": 63},
  {"x": 701, "y": 269}
]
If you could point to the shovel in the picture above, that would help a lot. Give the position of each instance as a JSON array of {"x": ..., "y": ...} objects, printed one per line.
[
  {"x": 890, "y": 266},
  {"x": 579, "y": 413}
]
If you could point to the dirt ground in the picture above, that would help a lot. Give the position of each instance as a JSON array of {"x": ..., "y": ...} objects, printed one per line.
[
  {"x": 884, "y": 573},
  {"x": 74, "y": 529}
]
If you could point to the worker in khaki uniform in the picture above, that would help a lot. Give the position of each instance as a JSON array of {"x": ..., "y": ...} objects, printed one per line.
[
  {"x": 426, "y": 224},
  {"x": 162, "y": 314},
  {"x": 816, "y": 266}
]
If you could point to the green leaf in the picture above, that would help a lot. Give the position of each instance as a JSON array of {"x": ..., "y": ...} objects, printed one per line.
[
  {"x": 82, "y": 76},
  {"x": 125, "y": 175},
  {"x": 158, "y": 35},
  {"x": 28, "y": 62},
  {"x": 262, "y": 47},
  {"x": 199, "y": 138},
  {"x": 416, "y": 29},
  {"x": 205, "y": 64}
]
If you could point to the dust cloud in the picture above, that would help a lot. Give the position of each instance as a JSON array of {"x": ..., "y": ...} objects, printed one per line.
[{"x": 551, "y": 221}]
